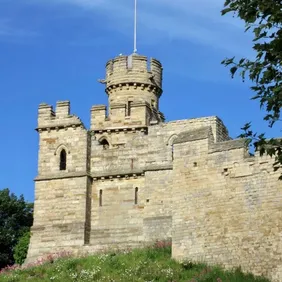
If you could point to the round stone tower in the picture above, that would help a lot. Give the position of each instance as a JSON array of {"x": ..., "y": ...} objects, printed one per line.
[{"x": 134, "y": 82}]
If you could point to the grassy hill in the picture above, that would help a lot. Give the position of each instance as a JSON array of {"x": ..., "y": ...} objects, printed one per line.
[{"x": 149, "y": 264}]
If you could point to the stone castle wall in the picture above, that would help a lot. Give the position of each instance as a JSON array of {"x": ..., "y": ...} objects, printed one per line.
[
  {"x": 227, "y": 208},
  {"x": 133, "y": 179}
]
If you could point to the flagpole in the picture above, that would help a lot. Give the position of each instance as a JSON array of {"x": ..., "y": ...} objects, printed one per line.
[{"x": 135, "y": 27}]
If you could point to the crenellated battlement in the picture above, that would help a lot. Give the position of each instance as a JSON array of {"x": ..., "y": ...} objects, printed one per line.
[
  {"x": 131, "y": 80},
  {"x": 133, "y": 70},
  {"x": 61, "y": 118},
  {"x": 119, "y": 118}
]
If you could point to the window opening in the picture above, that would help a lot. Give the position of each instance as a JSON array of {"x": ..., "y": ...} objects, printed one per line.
[
  {"x": 101, "y": 198},
  {"x": 172, "y": 152},
  {"x": 129, "y": 104},
  {"x": 136, "y": 196},
  {"x": 153, "y": 103},
  {"x": 63, "y": 160},
  {"x": 105, "y": 144}
]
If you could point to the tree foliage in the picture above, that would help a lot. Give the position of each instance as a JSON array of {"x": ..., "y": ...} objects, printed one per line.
[
  {"x": 16, "y": 217},
  {"x": 21, "y": 248},
  {"x": 264, "y": 19}
]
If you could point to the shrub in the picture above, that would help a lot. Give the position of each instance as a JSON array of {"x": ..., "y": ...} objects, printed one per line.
[
  {"x": 21, "y": 248},
  {"x": 16, "y": 216}
]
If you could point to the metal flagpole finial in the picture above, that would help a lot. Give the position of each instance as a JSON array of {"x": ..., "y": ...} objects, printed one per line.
[{"x": 135, "y": 28}]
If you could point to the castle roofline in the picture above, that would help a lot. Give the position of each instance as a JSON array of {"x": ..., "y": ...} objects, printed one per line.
[{"x": 194, "y": 119}]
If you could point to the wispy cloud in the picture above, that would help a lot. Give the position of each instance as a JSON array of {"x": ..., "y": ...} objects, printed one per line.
[
  {"x": 8, "y": 31},
  {"x": 192, "y": 20}
]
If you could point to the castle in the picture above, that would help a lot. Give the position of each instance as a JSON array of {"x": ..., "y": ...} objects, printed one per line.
[{"x": 132, "y": 179}]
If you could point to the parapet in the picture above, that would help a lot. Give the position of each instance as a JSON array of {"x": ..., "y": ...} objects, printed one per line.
[
  {"x": 119, "y": 117},
  {"x": 194, "y": 135},
  {"x": 61, "y": 118},
  {"x": 228, "y": 145},
  {"x": 134, "y": 70}
]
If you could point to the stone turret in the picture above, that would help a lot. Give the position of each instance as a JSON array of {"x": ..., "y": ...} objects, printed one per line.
[{"x": 134, "y": 86}]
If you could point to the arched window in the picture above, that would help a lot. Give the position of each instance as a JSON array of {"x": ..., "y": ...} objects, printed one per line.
[
  {"x": 171, "y": 145},
  {"x": 63, "y": 160},
  {"x": 105, "y": 144}
]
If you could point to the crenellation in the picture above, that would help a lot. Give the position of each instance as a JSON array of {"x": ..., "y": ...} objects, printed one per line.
[
  {"x": 61, "y": 119},
  {"x": 132, "y": 179},
  {"x": 98, "y": 116},
  {"x": 62, "y": 109},
  {"x": 45, "y": 113}
]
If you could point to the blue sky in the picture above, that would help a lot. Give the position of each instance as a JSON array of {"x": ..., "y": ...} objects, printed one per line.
[{"x": 56, "y": 50}]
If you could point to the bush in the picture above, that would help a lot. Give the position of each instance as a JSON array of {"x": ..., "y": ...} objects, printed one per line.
[
  {"x": 16, "y": 216},
  {"x": 21, "y": 248}
]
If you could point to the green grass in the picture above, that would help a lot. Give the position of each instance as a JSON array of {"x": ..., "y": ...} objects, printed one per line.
[{"x": 150, "y": 264}]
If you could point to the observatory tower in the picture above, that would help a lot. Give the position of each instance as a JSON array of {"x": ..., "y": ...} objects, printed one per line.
[{"x": 134, "y": 86}]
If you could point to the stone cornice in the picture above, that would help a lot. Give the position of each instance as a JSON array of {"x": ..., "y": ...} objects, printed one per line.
[
  {"x": 105, "y": 175},
  {"x": 61, "y": 175},
  {"x": 59, "y": 127},
  {"x": 130, "y": 174},
  {"x": 120, "y": 129},
  {"x": 118, "y": 175},
  {"x": 127, "y": 85}
]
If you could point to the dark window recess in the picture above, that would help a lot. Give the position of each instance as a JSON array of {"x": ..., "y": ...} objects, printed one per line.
[
  {"x": 101, "y": 198},
  {"x": 129, "y": 104},
  {"x": 63, "y": 160},
  {"x": 136, "y": 196},
  {"x": 105, "y": 144}
]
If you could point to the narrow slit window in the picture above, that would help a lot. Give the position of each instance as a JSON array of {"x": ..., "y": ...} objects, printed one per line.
[
  {"x": 136, "y": 196},
  {"x": 129, "y": 108},
  {"x": 63, "y": 160},
  {"x": 101, "y": 198}
]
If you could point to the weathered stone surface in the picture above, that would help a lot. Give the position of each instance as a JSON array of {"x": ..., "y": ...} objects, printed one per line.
[
  {"x": 193, "y": 135},
  {"x": 133, "y": 179}
]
